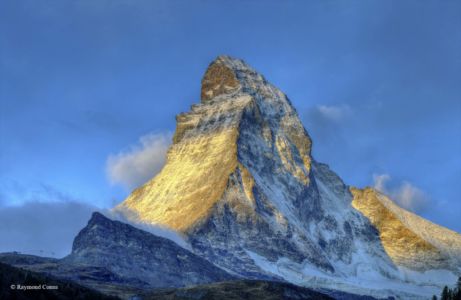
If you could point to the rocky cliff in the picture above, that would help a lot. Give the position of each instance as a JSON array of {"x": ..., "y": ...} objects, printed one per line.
[
  {"x": 135, "y": 254},
  {"x": 240, "y": 184}
]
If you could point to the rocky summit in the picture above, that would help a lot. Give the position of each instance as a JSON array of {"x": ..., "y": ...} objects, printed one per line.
[{"x": 241, "y": 186}]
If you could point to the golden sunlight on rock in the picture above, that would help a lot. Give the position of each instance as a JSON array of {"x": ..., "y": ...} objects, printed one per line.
[
  {"x": 248, "y": 184},
  {"x": 189, "y": 184},
  {"x": 197, "y": 169},
  {"x": 417, "y": 250},
  {"x": 218, "y": 80}
]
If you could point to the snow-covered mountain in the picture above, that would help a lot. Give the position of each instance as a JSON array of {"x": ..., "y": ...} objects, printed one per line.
[{"x": 240, "y": 184}]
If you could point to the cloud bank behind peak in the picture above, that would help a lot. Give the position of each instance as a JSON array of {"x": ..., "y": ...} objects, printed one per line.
[
  {"x": 404, "y": 194},
  {"x": 133, "y": 167}
]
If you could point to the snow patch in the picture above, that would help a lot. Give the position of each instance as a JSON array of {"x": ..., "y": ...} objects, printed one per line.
[{"x": 367, "y": 281}]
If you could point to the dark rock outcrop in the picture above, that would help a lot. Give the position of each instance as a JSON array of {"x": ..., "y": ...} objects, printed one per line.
[{"x": 133, "y": 253}]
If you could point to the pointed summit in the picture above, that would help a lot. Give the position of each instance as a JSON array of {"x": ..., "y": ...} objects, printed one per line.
[
  {"x": 210, "y": 146},
  {"x": 227, "y": 77},
  {"x": 220, "y": 78}
]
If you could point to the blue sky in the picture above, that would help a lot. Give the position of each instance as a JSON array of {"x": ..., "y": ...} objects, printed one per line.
[{"x": 376, "y": 83}]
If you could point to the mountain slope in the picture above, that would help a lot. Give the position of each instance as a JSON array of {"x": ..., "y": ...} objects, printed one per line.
[
  {"x": 240, "y": 184},
  {"x": 410, "y": 240},
  {"x": 132, "y": 253},
  {"x": 119, "y": 259}
]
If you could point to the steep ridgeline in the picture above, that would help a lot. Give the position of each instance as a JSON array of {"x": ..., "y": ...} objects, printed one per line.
[{"x": 241, "y": 185}]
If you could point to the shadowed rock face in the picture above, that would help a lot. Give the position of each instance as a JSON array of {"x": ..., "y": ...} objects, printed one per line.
[
  {"x": 241, "y": 185},
  {"x": 133, "y": 253}
]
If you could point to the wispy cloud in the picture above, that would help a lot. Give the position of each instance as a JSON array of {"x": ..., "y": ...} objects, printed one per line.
[
  {"x": 13, "y": 192},
  {"x": 334, "y": 112},
  {"x": 128, "y": 217},
  {"x": 404, "y": 194},
  {"x": 140, "y": 162},
  {"x": 379, "y": 182}
]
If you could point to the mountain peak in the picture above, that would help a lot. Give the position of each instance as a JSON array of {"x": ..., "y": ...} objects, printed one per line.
[
  {"x": 97, "y": 217},
  {"x": 220, "y": 78},
  {"x": 241, "y": 186},
  {"x": 214, "y": 142},
  {"x": 227, "y": 76},
  {"x": 229, "y": 61}
]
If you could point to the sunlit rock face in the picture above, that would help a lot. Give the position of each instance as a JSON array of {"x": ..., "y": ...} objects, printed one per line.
[
  {"x": 219, "y": 79},
  {"x": 240, "y": 184},
  {"x": 407, "y": 238}
]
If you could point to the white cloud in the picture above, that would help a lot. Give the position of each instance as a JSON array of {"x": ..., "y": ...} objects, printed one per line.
[
  {"x": 380, "y": 180},
  {"x": 335, "y": 112},
  {"x": 141, "y": 162},
  {"x": 127, "y": 217},
  {"x": 404, "y": 194},
  {"x": 13, "y": 192}
]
